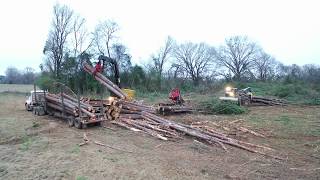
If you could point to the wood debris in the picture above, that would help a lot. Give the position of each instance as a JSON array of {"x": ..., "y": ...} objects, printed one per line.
[{"x": 141, "y": 118}]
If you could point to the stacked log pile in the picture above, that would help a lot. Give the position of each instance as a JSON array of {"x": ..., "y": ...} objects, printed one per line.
[
  {"x": 170, "y": 108},
  {"x": 268, "y": 101},
  {"x": 111, "y": 108},
  {"x": 141, "y": 118},
  {"x": 259, "y": 100},
  {"x": 63, "y": 102}
]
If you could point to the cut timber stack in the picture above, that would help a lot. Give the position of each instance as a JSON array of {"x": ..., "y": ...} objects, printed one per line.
[
  {"x": 121, "y": 105},
  {"x": 268, "y": 101},
  {"x": 69, "y": 104},
  {"x": 169, "y": 108},
  {"x": 111, "y": 107},
  {"x": 259, "y": 100},
  {"x": 114, "y": 110}
]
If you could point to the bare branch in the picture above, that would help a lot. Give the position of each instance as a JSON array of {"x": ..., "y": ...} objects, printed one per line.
[
  {"x": 237, "y": 55},
  {"x": 60, "y": 30},
  {"x": 195, "y": 59}
]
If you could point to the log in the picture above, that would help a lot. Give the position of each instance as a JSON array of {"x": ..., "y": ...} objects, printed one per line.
[
  {"x": 69, "y": 104},
  {"x": 82, "y": 104},
  {"x": 59, "y": 101},
  {"x": 243, "y": 129},
  {"x": 106, "y": 82},
  {"x": 59, "y": 108},
  {"x": 147, "y": 125},
  {"x": 135, "y": 104},
  {"x": 110, "y": 88},
  {"x": 125, "y": 126},
  {"x": 126, "y": 111},
  {"x": 196, "y": 133},
  {"x": 131, "y": 116},
  {"x": 136, "y": 107},
  {"x": 102, "y": 77},
  {"x": 173, "y": 109},
  {"x": 146, "y": 130}
]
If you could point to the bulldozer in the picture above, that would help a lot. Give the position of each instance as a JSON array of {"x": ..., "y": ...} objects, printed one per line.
[{"x": 241, "y": 96}]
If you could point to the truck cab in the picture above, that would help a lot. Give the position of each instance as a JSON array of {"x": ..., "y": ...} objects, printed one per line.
[{"x": 34, "y": 98}]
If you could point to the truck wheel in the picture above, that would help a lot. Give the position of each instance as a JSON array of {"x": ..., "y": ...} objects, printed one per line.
[
  {"x": 98, "y": 123},
  {"x": 71, "y": 122},
  {"x": 84, "y": 126},
  {"x": 77, "y": 123}
]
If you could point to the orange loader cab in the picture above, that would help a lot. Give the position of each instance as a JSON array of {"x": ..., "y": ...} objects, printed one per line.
[{"x": 175, "y": 96}]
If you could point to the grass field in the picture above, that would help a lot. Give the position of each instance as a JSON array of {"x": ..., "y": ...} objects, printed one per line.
[
  {"x": 16, "y": 88},
  {"x": 43, "y": 147}
]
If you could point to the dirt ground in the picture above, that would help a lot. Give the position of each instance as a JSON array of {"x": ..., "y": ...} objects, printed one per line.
[{"x": 33, "y": 147}]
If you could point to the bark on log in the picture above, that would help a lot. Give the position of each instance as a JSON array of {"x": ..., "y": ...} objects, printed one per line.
[
  {"x": 82, "y": 104},
  {"x": 102, "y": 77},
  {"x": 69, "y": 104},
  {"x": 126, "y": 111},
  {"x": 131, "y": 116},
  {"x": 196, "y": 133},
  {"x": 59, "y": 108},
  {"x": 106, "y": 82},
  {"x": 146, "y": 130}
]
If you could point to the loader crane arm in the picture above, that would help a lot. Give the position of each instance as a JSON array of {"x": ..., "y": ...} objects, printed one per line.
[{"x": 115, "y": 66}]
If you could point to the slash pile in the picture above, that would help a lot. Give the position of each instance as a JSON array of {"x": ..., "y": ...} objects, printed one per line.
[{"x": 142, "y": 118}]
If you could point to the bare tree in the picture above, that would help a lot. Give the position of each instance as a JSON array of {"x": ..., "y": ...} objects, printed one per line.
[
  {"x": 311, "y": 73},
  {"x": 55, "y": 46},
  {"x": 237, "y": 55},
  {"x": 175, "y": 71},
  {"x": 195, "y": 59},
  {"x": 264, "y": 65},
  {"x": 162, "y": 55},
  {"x": 104, "y": 35},
  {"x": 28, "y": 75},
  {"x": 13, "y": 76},
  {"x": 80, "y": 36},
  {"x": 80, "y": 42}
]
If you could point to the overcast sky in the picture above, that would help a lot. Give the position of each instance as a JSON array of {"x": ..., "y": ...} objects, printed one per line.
[{"x": 287, "y": 29}]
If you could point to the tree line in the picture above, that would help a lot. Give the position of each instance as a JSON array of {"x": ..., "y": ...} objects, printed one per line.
[
  {"x": 16, "y": 76},
  {"x": 174, "y": 64}
]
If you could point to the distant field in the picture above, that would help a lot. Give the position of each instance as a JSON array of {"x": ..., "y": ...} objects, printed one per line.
[{"x": 17, "y": 88}]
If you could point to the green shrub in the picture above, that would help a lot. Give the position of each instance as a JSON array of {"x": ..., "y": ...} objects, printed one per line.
[
  {"x": 45, "y": 81},
  {"x": 222, "y": 107},
  {"x": 228, "y": 108},
  {"x": 313, "y": 101},
  {"x": 283, "y": 91}
]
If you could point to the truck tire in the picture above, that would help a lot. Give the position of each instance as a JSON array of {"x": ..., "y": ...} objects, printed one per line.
[
  {"x": 98, "y": 123},
  {"x": 77, "y": 123},
  {"x": 71, "y": 122}
]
